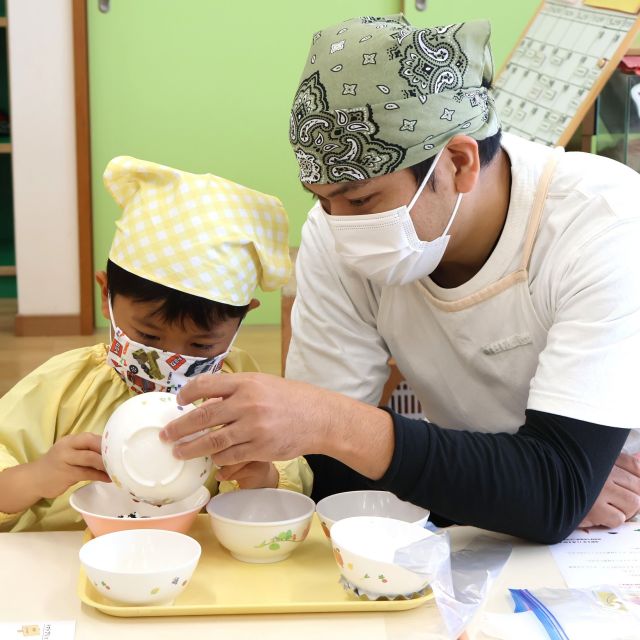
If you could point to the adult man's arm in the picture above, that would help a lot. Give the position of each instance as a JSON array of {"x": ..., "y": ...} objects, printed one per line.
[
  {"x": 538, "y": 483},
  {"x": 584, "y": 380}
]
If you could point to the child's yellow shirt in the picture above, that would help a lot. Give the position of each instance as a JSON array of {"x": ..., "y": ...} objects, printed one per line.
[{"x": 76, "y": 392}]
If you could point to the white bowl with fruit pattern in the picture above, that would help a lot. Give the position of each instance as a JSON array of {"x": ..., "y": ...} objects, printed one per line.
[
  {"x": 364, "y": 548},
  {"x": 140, "y": 566}
]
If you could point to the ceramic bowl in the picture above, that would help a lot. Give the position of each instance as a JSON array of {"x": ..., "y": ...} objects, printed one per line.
[
  {"x": 364, "y": 548},
  {"x": 139, "y": 462},
  {"x": 367, "y": 503},
  {"x": 261, "y": 525},
  {"x": 106, "y": 509},
  {"x": 141, "y": 566}
]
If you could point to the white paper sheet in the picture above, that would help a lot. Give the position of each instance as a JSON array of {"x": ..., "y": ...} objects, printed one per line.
[
  {"x": 38, "y": 630},
  {"x": 602, "y": 556}
]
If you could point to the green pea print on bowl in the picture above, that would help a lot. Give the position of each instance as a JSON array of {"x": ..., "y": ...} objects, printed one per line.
[{"x": 261, "y": 525}]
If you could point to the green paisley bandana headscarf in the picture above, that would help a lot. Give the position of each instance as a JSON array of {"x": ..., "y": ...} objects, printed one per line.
[{"x": 378, "y": 94}]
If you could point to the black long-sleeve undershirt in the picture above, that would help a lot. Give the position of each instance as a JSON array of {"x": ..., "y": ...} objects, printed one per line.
[{"x": 537, "y": 483}]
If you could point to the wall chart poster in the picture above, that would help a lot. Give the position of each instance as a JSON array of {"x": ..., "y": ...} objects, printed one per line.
[{"x": 559, "y": 66}]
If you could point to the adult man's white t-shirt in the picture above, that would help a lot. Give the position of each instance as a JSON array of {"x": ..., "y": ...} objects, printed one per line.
[{"x": 584, "y": 283}]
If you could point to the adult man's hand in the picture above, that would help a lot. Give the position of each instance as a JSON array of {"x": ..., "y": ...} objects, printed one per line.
[
  {"x": 619, "y": 499},
  {"x": 268, "y": 418}
]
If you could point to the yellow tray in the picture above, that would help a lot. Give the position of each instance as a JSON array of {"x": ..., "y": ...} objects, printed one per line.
[{"x": 307, "y": 581}]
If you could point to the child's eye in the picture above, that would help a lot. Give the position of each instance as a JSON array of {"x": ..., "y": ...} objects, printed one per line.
[
  {"x": 202, "y": 347},
  {"x": 147, "y": 336}
]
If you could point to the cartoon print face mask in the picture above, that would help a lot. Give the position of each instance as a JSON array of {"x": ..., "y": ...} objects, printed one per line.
[{"x": 145, "y": 368}]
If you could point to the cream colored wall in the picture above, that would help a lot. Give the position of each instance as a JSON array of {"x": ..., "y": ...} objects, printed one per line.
[{"x": 44, "y": 159}]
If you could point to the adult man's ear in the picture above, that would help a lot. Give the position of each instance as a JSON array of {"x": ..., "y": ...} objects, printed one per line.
[
  {"x": 463, "y": 154},
  {"x": 101, "y": 280}
]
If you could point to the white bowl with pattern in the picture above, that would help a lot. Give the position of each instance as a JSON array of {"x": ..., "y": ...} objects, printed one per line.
[
  {"x": 364, "y": 548},
  {"x": 261, "y": 525},
  {"x": 138, "y": 462},
  {"x": 140, "y": 566},
  {"x": 349, "y": 504}
]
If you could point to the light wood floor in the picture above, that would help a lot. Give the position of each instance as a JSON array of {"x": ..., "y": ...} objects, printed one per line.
[{"x": 19, "y": 356}]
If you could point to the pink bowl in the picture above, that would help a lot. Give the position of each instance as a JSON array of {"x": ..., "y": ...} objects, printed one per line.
[{"x": 106, "y": 509}]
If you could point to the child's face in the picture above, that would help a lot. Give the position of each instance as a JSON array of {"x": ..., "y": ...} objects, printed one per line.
[{"x": 138, "y": 321}]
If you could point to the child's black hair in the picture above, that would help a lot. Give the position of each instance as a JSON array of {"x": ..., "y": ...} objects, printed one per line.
[{"x": 177, "y": 306}]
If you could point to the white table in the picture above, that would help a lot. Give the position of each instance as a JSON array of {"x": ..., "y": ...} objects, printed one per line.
[{"x": 39, "y": 575}]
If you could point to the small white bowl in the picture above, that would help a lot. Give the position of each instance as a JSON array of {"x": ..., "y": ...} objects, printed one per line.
[
  {"x": 106, "y": 509},
  {"x": 139, "y": 462},
  {"x": 261, "y": 525},
  {"x": 367, "y": 503},
  {"x": 141, "y": 566},
  {"x": 364, "y": 548}
]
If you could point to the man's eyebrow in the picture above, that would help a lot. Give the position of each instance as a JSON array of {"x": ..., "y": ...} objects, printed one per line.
[{"x": 348, "y": 186}]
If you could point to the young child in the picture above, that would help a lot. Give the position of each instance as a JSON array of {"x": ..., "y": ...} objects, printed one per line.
[{"x": 188, "y": 252}]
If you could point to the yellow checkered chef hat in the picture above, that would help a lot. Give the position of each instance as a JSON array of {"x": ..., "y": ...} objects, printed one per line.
[{"x": 199, "y": 234}]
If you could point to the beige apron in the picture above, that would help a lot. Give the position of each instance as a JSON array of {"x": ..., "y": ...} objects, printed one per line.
[{"x": 470, "y": 361}]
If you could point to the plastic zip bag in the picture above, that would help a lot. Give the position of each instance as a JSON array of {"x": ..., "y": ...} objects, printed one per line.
[
  {"x": 599, "y": 613},
  {"x": 460, "y": 581}
]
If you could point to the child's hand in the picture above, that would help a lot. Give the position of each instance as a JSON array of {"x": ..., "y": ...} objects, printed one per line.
[
  {"x": 250, "y": 475},
  {"x": 70, "y": 460}
]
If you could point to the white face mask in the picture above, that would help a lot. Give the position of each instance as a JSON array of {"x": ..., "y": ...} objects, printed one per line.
[
  {"x": 384, "y": 247},
  {"x": 146, "y": 368}
]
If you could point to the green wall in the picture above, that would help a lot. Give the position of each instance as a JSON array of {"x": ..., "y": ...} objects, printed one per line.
[
  {"x": 508, "y": 19},
  {"x": 206, "y": 86}
]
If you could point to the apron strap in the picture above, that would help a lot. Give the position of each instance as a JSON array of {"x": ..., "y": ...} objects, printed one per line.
[
  {"x": 538, "y": 207},
  {"x": 520, "y": 275}
]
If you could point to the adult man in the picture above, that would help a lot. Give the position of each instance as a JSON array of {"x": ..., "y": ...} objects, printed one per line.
[{"x": 507, "y": 288}]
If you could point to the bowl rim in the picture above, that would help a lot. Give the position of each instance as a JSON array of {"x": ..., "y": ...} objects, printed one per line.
[
  {"x": 201, "y": 503},
  {"x": 427, "y": 512},
  {"x": 403, "y": 523},
  {"x": 139, "y": 532},
  {"x": 267, "y": 523}
]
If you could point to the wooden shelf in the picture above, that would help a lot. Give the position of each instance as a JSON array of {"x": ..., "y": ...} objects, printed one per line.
[
  {"x": 5, "y": 147},
  {"x": 7, "y": 270},
  {"x": 3, "y": 21}
]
